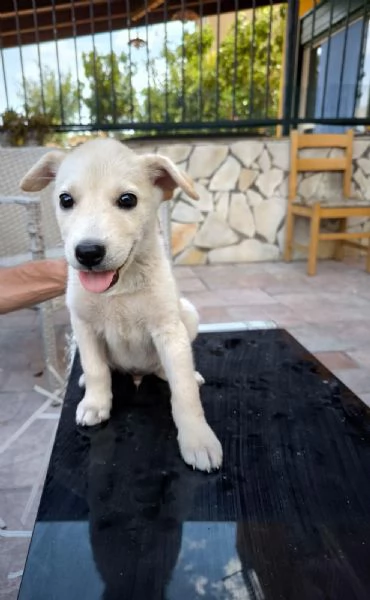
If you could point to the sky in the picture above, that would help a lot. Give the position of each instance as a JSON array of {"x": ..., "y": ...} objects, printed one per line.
[{"x": 12, "y": 57}]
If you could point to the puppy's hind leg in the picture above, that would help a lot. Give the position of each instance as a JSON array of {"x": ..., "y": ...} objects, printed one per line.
[{"x": 190, "y": 318}]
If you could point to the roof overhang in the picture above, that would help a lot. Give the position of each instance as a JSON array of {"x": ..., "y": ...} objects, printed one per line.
[{"x": 47, "y": 20}]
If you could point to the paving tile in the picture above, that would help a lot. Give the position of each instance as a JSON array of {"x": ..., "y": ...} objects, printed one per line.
[
  {"x": 297, "y": 266},
  {"x": 15, "y": 409},
  {"x": 281, "y": 315},
  {"x": 358, "y": 380},
  {"x": 365, "y": 397},
  {"x": 361, "y": 356},
  {"x": 247, "y": 312},
  {"x": 20, "y": 464},
  {"x": 214, "y": 270},
  {"x": 227, "y": 297},
  {"x": 191, "y": 284},
  {"x": 23, "y": 379},
  {"x": 206, "y": 299},
  {"x": 281, "y": 286},
  {"x": 20, "y": 319},
  {"x": 244, "y": 296},
  {"x": 13, "y": 503},
  {"x": 13, "y": 554},
  {"x": 24, "y": 366},
  {"x": 336, "y": 360},
  {"x": 355, "y": 335},
  {"x": 317, "y": 338},
  {"x": 326, "y": 307},
  {"x": 61, "y": 316},
  {"x": 181, "y": 272},
  {"x": 238, "y": 279},
  {"x": 213, "y": 314}
]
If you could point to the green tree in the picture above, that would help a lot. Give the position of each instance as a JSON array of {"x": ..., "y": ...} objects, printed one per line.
[
  {"x": 111, "y": 97},
  {"x": 58, "y": 100},
  {"x": 241, "y": 80},
  {"x": 258, "y": 66},
  {"x": 185, "y": 83}
]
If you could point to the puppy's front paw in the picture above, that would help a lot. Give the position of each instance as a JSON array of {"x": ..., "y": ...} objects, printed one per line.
[
  {"x": 91, "y": 412},
  {"x": 199, "y": 446}
]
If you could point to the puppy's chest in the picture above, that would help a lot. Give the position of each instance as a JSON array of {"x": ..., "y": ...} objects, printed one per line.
[{"x": 127, "y": 337}]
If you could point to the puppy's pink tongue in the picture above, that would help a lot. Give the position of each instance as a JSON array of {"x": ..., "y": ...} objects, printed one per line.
[{"x": 94, "y": 281}]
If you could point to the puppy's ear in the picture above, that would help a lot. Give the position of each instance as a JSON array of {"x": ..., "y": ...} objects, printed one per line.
[
  {"x": 43, "y": 172},
  {"x": 165, "y": 175}
]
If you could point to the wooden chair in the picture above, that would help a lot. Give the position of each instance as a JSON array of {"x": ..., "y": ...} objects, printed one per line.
[{"x": 340, "y": 209}]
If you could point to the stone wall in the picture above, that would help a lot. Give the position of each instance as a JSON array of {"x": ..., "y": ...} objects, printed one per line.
[{"x": 243, "y": 187}]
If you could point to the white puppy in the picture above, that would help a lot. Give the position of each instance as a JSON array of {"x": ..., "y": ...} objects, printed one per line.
[{"x": 125, "y": 308}]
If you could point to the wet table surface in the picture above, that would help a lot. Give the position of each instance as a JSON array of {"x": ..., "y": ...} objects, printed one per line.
[{"x": 287, "y": 517}]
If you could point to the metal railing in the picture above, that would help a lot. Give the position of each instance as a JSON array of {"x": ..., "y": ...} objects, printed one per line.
[
  {"x": 152, "y": 66},
  {"x": 159, "y": 67}
]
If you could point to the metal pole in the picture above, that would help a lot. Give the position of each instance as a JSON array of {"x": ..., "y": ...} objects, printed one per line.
[{"x": 291, "y": 33}]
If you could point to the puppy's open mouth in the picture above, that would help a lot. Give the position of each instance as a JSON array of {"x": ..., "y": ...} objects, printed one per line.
[
  {"x": 101, "y": 281},
  {"x": 98, "y": 281}
]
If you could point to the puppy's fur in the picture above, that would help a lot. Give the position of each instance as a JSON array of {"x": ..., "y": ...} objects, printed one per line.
[{"x": 139, "y": 325}]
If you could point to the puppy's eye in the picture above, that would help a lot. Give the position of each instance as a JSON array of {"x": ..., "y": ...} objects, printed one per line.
[
  {"x": 66, "y": 201},
  {"x": 127, "y": 201}
]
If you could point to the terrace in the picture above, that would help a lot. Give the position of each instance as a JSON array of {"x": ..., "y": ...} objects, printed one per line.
[{"x": 217, "y": 86}]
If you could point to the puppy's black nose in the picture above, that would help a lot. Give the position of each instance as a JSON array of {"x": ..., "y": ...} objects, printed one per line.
[{"x": 90, "y": 254}]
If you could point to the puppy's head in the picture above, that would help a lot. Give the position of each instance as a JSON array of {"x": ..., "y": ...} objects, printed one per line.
[{"x": 106, "y": 199}]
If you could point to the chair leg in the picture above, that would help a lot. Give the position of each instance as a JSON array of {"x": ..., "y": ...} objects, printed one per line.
[
  {"x": 314, "y": 240},
  {"x": 368, "y": 258},
  {"x": 289, "y": 234},
  {"x": 339, "y": 247}
]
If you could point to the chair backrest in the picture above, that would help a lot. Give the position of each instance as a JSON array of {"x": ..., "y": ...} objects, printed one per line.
[{"x": 298, "y": 164}]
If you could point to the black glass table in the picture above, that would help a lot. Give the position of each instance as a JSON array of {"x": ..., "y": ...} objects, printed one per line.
[{"x": 287, "y": 517}]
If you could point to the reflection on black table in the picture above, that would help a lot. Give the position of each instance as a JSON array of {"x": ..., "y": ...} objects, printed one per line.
[{"x": 287, "y": 517}]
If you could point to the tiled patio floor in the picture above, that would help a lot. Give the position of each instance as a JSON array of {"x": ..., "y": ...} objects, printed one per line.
[{"x": 329, "y": 314}]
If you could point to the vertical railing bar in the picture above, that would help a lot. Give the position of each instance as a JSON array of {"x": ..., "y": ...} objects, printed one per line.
[
  {"x": 92, "y": 33},
  {"x": 112, "y": 87},
  {"x": 361, "y": 58},
  {"x": 268, "y": 64},
  {"x": 37, "y": 36},
  {"x": 128, "y": 21},
  {"x": 165, "y": 18},
  {"x": 148, "y": 61},
  {"x": 251, "y": 83},
  {"x": 343, "y": 58},
  {"x": 19, "y": 41},
  {"x": 218, "y": 59},
  {"x": 55, "y": 36},
  {"x": 235, "y": 70},
  {"x": 313, "y": 24},
  {"x": 74, "y": 30},
  {"x": 183, "y": 102},
  {"x": 296, "y": 71},
  {"x": 4, "y": 71},
  {"x": 327, "y": 58},
  {"x": 291, "y": 37},
  {"x": 201, "y": 60}
]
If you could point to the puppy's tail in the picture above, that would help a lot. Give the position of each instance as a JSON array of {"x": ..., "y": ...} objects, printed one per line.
[{"x": 190, "y": 318}]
